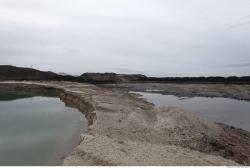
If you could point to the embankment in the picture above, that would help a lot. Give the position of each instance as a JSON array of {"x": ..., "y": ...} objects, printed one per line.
[{"x": 126, "y": 130}]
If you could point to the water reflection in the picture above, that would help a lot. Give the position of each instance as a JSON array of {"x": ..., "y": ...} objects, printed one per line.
[{"x": 37, "y": 130}]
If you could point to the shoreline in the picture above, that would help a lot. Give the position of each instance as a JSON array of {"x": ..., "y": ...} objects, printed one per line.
[
  {"x": 233, "y": 91},
  {"x": 125, "y": 130}
]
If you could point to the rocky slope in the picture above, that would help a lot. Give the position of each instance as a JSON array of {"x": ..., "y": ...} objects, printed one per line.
[
  {"x": 8, "y": 72},
  {"x": 126, "y": 130}
]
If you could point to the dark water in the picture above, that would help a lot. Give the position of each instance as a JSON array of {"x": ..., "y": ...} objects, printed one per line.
[
  {"x": 37, "y": 130},
  {"x": 224, "y": 110}
]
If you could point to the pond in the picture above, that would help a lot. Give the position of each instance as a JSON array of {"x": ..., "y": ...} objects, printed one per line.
[
  {"x": 37, "y": 130},
  {"x": 223, "y": 110}
]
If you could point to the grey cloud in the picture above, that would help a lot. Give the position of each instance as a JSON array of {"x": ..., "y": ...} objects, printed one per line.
[
  {"x": 155, "y": 37},
  {"x": 246, "y": 23},
  {"x": 236, "y": 65}
]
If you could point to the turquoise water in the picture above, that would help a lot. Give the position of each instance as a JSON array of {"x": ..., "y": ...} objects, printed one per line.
[
  {"x": 37, "y": 130},
  {"x": 223, "y": 110}
]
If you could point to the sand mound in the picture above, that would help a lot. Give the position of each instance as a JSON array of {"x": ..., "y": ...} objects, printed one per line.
[{"x": 103, "y": 150}]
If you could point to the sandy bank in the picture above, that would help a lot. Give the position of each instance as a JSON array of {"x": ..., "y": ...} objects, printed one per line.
[{"x": 125, "y": 130}]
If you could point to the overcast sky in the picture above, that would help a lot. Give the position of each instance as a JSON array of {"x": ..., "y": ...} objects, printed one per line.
[{"x": 153, "y": 37}]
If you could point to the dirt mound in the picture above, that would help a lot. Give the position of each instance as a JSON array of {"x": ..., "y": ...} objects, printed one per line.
[
  {"x": 103, "y": 150},
  {"x": 111, "y": 77},
  {"x": 8, "y": 72}
]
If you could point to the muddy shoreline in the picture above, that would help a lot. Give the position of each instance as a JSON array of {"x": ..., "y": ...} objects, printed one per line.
[
  {"x": 234, "y": 91},
  {"x": 126, "y": 130}
]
